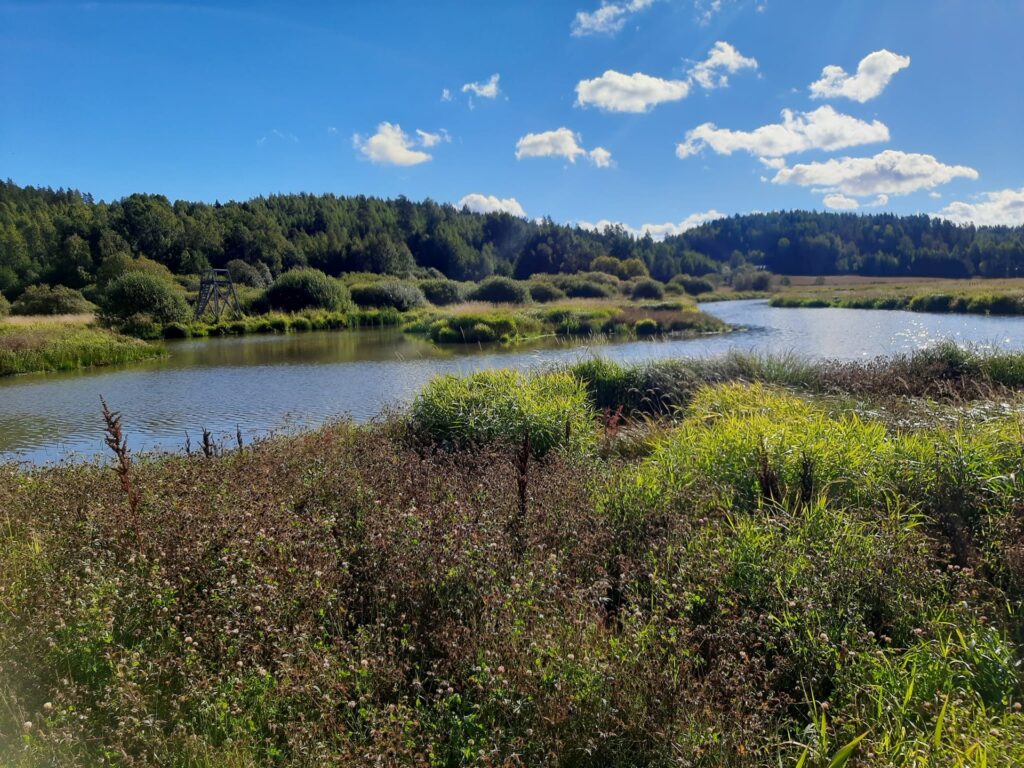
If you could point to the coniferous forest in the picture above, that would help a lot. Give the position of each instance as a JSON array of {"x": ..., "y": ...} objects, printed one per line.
[{"x": 64, "y": 237}]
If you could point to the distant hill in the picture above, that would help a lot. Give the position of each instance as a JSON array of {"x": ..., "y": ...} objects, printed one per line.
[{"x": 64, "y": 236}]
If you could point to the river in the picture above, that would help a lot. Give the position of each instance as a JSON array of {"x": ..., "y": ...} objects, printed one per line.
[{"x": 266, "y": 384}]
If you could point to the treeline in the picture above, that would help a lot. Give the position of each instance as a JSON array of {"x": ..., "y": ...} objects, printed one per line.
[{"x": 64, "y": 237}]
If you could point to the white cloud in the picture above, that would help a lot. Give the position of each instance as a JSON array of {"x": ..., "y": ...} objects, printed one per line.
[
  {"x": 390, "y": 145},
  {"x": 446, "y": 95},
  {"x": 278, "y": 135},
  {"x": 600, "y": 157},
  {"x": 560, "y": 142},
  {"x": 706, "y": 10},
  {"x": 1002, "y": 208},
  {"x": 873, "y": 73},
  {"x": 841, "y": 202},
  {"x": 490, "y": 204},
  {"x": 428, "y": 139},
  {"x": 608, "y": 19},
  {"x": 824, "y": 128},
  {"x": 935, "y": 195},
  {"x": 723, "y": 60},
  {"x": 657, "y": 231},
  {"x": 888, "y": 173},
  {"x": 488, "y": 90},
  {"x": 616, "y": 92}
]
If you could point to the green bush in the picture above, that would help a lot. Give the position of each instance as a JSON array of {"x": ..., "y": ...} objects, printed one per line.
[
  {"x": 442, "y": 292},
  {"x": 243, "y": 273},
  {"x": 752, "y": 280},
  {"x": 5, "y": 306},
  {"x": 694, "y": 286},
  {"x": 306, "y": 288},
  {"x": 592, "y": 286},
  {"x": 301, "y": 324},
  {"x": 399, "y": 294},
  {"x": 646, "y": 326},
  {"x": 44, "y": 300},
  {"x": 501, "y": 290},
  {"x": 177, "y": 331},
  {"x": 648, "y": 289},
  {"x": 544, "y": 292},
  {"x": 138, "y": 292},
  {"x": 503, "y": 406}
]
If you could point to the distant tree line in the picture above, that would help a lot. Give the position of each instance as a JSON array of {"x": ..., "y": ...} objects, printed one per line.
[{"x": 65, "y": 237}]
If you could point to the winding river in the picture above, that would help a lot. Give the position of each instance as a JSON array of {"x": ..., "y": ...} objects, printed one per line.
[{"x": 266, "y": 384}]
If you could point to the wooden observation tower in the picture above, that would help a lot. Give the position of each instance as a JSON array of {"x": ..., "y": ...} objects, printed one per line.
[{"x": 217, "y": 293}]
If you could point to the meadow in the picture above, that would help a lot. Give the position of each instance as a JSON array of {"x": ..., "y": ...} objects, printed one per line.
[
  {"x": 979, "y": 296},
  {"x": 739, "y": 561},
  {"x": 65, "y": 342}
]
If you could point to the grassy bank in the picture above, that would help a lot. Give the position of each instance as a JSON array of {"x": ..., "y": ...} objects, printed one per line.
[
  {"x": 478, "y": 322},
  {"x": 986, "y": 297},
  {"x": 517, "y": 572},
  {"x": 61, "y": 343}
]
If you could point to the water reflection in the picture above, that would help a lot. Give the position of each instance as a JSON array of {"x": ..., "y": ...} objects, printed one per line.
[{"x": 266, "y": 383}]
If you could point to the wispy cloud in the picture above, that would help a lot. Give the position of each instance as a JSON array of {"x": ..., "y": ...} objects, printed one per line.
[
  {"x": 277, "y": 135},
  {"x": 485, "y": 90},
  {"x": 608, "y": 19}
]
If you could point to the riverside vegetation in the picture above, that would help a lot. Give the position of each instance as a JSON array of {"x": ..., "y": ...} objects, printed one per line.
[{"x": 741, "y": 561}]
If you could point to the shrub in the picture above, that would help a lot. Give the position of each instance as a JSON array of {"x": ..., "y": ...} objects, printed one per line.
[
  {"x": 694, "y": 286},
  {"x": 590, "y": 285},
  {"x": 399, "y": 294},
  {"x": 176, "y": 331},
  {"x": 44, "y": 300},
  {"x": 138, "y": 292},
  {"x": 442, "y": 292},
  {"x": 751, "y": 280},
  {"x": 301, "y": 324},
  {"x": 244, "y": 273},
  {"x": 647, "y": 326},
  {"x": 648, "y": 289},
  {"x": 544, "y": 292},
  {"x": 306, "y": 288},
  {"x": 501, "y": 290},
  {"x": 5, "y": 306},
  {"x": 503, "y": 405}
]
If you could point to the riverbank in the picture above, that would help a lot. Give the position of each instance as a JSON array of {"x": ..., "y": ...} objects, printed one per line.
[
  {"x": 984, "y": 297},
  {"x": 523, "y": 569},
  {"x": 30, "y": 344}
]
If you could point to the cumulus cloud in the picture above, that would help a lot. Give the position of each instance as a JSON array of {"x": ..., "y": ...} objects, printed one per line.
[
  {"x": 428, "y": 139},
  {"x": 390, "y": 145},
  {"x": 888, "y": 173},
  {"x": 607, "y": 19},
  {"x": 841, "y": 202},
  {"x": 723, "y": 60},
  {"x": 560, "y": 142},
  {"x": 1002, "y": 208},
  {"x": 873, "y": 73},
  {"x": 600, "y": 157},
  {"x": 616, "y": 92},
  {"x": 486, "y": 90},
  {"x": 657, "y": 231},
  {"x": 490, "y": 204},
  {"x": 824, "y": 128}
]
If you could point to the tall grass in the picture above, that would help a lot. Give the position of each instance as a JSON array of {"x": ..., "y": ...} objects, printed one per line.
[
  {"x": 27, "y": 349},
  {"x": 775, "y": 580}
]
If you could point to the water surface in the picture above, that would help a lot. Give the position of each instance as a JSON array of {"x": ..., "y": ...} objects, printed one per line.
[{"x": 263, "y": 384}]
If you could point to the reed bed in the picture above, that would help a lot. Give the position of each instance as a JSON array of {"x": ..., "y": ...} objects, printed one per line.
[{"x": 63, "y": 343}]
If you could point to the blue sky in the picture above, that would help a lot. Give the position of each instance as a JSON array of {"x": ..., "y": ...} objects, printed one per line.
[{"x": 660, "y": 101}]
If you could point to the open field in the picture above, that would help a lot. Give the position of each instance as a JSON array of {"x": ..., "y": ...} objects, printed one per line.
[
  {"x": 981, "y": 296},
  {"x": 742, "y": 561},
  {"x": 64, "y": 342}
]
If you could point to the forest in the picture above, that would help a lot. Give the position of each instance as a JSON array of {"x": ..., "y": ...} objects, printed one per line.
[{"x": 65, "y": 237}]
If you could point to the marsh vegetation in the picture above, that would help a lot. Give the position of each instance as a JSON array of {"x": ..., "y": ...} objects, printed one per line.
[{"x": 733, "y": 561}]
